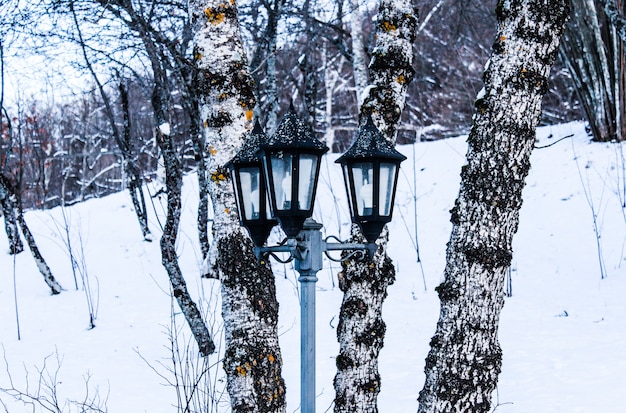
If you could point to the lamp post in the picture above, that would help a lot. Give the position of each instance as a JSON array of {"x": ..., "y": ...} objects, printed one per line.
[{"x": 290, "y": 161}]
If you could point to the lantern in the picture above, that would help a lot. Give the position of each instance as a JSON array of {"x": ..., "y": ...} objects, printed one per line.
[
  {"x": 370, "y": 171},
  {"x": 291, "y": 163},
  {"x": 250, "y": 189}
]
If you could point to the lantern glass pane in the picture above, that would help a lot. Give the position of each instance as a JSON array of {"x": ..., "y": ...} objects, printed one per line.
[
  {"x": 281, "y": 174},
  {"x": 306, "y": 180},
  {"x": 346, "y": 180},
  {"x": 250, "y": 191},
  {"x": 236, "y": 188},
  {"x": 387, "y": 177},
  {"x": 268, "y": 209},
  {"x": 363, "y": 175}
]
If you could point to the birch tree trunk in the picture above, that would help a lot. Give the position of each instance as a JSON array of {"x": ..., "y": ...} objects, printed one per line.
[
  {"x": 252, "y": 358},
  {"x": 615, "y": 11},
  {"x": 361, "y": 329},
  {"x": 12, "y": 210},
  {"x": 359, "y": 57},
  {"x": 55, "y": 287},
  {"x": 594, "y": 55},
  {"x": 274, "y": 10},
  {"x": 134, "y": 185},
  {"x": 10, "y": 224},
  {"x": 465, "y": 359},
  {"x": 125, "y": 11},
  {"x": 123, "y": 142}
]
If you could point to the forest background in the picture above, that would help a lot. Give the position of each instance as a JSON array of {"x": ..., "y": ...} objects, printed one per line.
[{"x": 67, "y": 74}]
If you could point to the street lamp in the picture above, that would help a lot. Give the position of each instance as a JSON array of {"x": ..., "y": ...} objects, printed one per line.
[
  {"x": 250, "y": 188},
  {"x": 290, "y": 161},
  {"x": 370, "y": 172}
]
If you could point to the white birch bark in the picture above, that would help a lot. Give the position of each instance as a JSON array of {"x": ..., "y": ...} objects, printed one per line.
[
  {"x": 252, "y": 359},
  {"x": 10, "y": 223},
  {"x": 331, "y": 76},
  {"x": 359, "y": 57},
  {"x": 361, "y": 329},
  {"x": 465, "y": 359}
]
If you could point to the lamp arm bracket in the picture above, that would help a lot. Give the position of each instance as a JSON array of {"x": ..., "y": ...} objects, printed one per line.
[
  {"x": 287, "y": 245},
  {"x": 277, "y": 258},
  {"x": 357, "y": 253},
  {"x": 356, "y": 248}
]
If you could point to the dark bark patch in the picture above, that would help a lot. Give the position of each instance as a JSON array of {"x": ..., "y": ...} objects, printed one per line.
[
  {"x": 454, "y": 214},
  {"x": 502, "y": 11},
  {"x": 527, "y": 79},
  {"x": 354, "y": 306},
  {"x": 344, "y": 362},
  {"x": 489, "y": 257},
  {"x": 391, "y": 20},
  {"x": 372, "y": 386},
  {"x": 498, "y": 46},
  {"x": 217, "y": 15},
  {"x": 341, "y": 402},
  {"x": 372, "y": 334},
  {"x": 448, "y": 291},
  {"x": 219, "y": 119},
  {"x": 246, "y": 274},
  {"x": 235, "y": 81},
  {"x": 496, "y": 186}
]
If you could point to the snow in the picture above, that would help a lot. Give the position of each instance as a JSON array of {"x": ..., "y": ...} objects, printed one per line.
[
  {"x": 165, "y": 129},
  {"x": 563, "y": 330}
]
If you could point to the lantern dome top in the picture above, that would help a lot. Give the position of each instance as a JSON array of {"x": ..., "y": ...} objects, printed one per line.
[
  {"x": 371, "y": 143},
  {"x": 293, "y": 134},
  {"x": 249, "y": 151}
]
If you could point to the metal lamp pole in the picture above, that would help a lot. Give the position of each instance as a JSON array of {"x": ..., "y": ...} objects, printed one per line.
[
  {"x": 307, "y": 252},
  {"x": 308, "y": 262}
]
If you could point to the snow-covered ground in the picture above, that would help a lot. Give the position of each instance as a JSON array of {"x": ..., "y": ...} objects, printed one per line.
[{"x": 563, "y": 330}]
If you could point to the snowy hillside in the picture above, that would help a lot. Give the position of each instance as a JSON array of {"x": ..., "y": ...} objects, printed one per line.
[{"x": 563, "y": 330}]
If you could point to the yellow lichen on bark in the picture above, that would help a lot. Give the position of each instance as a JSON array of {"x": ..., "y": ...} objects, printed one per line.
[
  {"x": 215, "y": 17},
  {"x": 388, "y": 26},
  {"x": 218, "y": 176}
]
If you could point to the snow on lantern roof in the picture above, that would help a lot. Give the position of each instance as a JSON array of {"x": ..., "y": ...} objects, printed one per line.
[
  {"x": 370, "y": 143},
  {"x": 293, "y": 134},
  {"x": 249, "y": 151}
]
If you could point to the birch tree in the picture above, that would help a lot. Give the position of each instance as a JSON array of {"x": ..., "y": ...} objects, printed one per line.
[
  {"x": 361, "y": 329},
  {"x": 122, "y": 139},
  {"x": 359, "y": 56},
  {"x": 11, "y": 205},
  {"x": 594, "y": 54},
  {"x": 266, "y": 54},
  {"x": 252, "y": 358},
  {"x": 465, "y": 359},
  {"x": 149, "y": 37},
  {"x": 6, "y": 203}
]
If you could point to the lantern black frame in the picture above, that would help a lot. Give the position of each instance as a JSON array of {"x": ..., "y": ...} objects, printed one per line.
[
  {"x": 292, "y": 140},
  {"x": 261, "y": 225},
  {"x": 371, "y": 148}
]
